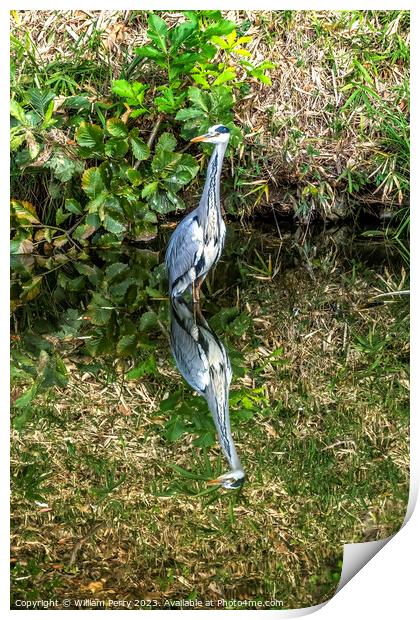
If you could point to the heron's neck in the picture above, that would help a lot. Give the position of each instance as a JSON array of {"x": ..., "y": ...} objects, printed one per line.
[
  {"x": 222, "y": 423},
  {"x": 211, "y": 193}
]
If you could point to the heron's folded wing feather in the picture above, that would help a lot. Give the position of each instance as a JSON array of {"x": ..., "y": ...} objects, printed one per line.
[
  {"x": 189, "y": 355},
  {"x": 185, "y": 248}
]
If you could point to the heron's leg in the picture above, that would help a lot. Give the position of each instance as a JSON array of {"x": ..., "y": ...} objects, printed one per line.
[{"x": 196, "y": 285}]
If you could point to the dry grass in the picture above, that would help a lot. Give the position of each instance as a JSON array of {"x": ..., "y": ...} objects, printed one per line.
[{"x": 326, "y": 454}]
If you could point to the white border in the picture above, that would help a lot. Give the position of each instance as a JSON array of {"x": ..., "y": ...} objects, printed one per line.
[{"x": 386, "y": 586}]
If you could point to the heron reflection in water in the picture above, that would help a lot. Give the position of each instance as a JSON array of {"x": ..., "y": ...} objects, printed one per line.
[{"x": 203, "y": 362}]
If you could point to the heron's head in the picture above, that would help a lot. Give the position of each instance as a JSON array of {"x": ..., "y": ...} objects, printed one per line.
[
  {"x": 218, "y": 134},
  {"x": 232, "y": 480}
]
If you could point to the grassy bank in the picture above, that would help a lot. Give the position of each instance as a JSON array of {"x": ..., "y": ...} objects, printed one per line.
[
  {"x": 108, "y": 494},
  {"x": 324, "y": 131}
]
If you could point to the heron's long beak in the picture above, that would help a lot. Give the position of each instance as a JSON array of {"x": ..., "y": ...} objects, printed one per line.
[
  {"x": 215, "y": 481},
  {"x": 203, "y": 138}
]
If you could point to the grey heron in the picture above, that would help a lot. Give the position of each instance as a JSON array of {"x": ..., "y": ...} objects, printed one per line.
[
  {"x": 197, "y": 242},
  {"x": 203, "y": 362}
]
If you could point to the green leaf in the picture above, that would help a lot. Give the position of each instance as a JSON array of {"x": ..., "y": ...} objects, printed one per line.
[
  {"x": 21, "y": 243},
  {"x": 133, "y": 93},
  {"x": 63, "y": 168},
  {"x": 225, "y": 76},
  {"x": 119, "y": 290},
  {"x": 115, "y": 147},
  {"x": 143, "y": 231},
  {"x": 165, "y": 202},
  {"x": 60, "y": 216},
  {"x": 94, "y": 205},
  {"x": 93, "y": 220},
  {"x": 223, "y": 27},
  {"x": 140, "y": 149},
  {"x": 241, "y": 324},
  {"x": 72, "y": 284},
  {"x": 18, "y": 112},
  {"x": 205, "y": 440},
  {"x": 164, "y": 162},
  {"x": 166, "y": 142},
  {"x": 76, "y": 102},
  {"x": 148, "y": 367},
  {"x": 115, "y": 270},
  {"x": 122, "y": 88},
  {"x": 90, "y": 136},
  {"x": 200, "y": 80},
  {"x": 158, "y": 31},
  {"x": 83, "y": 231},
  {"x": 182, "y": 65},
  {"x": 265, "y": 79},
  {"x": 170, "y": 403},
  {"x": 114, "y": 223},
  {"x": 55, "y": 374},
  {"x": 138, "y": 112},
  {"x": 31, "y": 289},
  {"x": 199, "y": 99},
  {"x": 148, "y": 321},
  {"x": 92, "y": 182},
  {"x": 187, "y": 113},
  {"x": 147, "y": 51},
  {"x": 16, "y": 138},
  {"x": 220, "y": 42},
  {"x": 40, "y": 99},
  {"x": 185, "y": 473},
  {"x": 126, "y": 345},
  {"x": 175, "y": 428},
  {"x": 186, "y": 169},
  {"x": 149, "y": 189},
  {"x": 100, "y": 309},
  {"x": 114, "y": 203},
  {"x": 73, "y": 206},
  {"x": 47, "y": 122},
  {"x": 116, "y": 128},
  {"x": 242, "y": 52},
  {"x": 180, "y": 34},
  {"x": 26, "y": 398},
  {"x": 363, "y": 71},
  {"x": 134, "y": 177},
  {"x": 167, "y": 101},
  {"x": 25, "y": 212}
]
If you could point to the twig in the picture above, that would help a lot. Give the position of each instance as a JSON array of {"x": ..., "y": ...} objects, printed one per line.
[
  {"x": 151, "y": 137},
  {"x": 82, "y": 541},
  {"x": 154, "y": 131}
]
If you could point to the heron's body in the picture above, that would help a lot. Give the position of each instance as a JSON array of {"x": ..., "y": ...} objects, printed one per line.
[
  {"x": 202, "y": 360},
  {"x": 198, "y": 240}
]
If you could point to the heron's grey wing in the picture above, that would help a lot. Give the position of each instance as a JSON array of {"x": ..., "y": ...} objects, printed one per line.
[
  {"x": 216, "y": 352},
  {"x": 184, "y": 250},
  {"x": 188, "y": 353}
]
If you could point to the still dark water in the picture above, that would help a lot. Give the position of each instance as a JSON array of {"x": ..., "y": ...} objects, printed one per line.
[{"x": 112, "y": 302}]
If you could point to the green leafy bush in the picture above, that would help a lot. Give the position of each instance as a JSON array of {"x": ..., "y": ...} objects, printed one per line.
[
  {"x": 105, "y": 179},
  {"x": 91, "y": 172}
]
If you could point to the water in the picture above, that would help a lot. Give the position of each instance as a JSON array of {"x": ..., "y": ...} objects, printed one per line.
[{"x": 114, "y": 301}]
